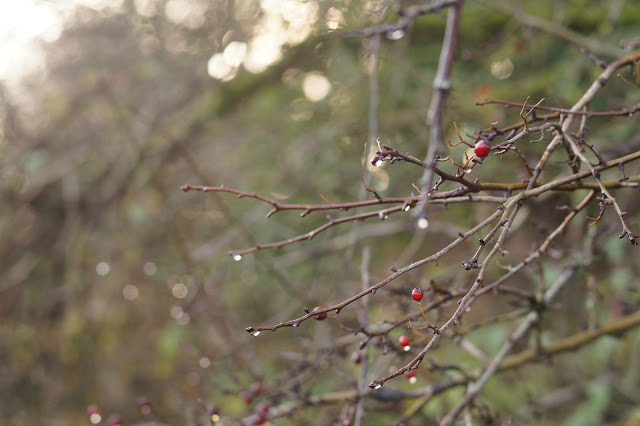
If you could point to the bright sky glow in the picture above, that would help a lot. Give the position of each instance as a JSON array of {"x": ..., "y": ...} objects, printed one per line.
[
  {"x": 20, "y": 23},
  {"x": 24, "y": 22},
  {"x": 284, "y": 22}
]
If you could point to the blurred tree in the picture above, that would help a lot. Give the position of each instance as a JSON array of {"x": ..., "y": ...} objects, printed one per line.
[{"x": 116, "y": 285}]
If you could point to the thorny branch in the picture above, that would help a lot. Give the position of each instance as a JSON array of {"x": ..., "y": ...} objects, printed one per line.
[{"x": 501, "y": 221}]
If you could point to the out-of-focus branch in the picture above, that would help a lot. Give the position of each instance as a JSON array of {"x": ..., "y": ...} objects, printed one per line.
[
  {"x": 520, "y": 332},
  {"x": 441, "y": 86},
  {"x": 555, "y": 29}
]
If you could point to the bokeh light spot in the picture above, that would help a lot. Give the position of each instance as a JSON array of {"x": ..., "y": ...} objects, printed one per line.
[
  {"x": 102, "y": 268},
  {"x": 179, "y": 291},
  {"x": 502, "y": 69},
  {"x": 315, "y": 86},
  {"x": 130, "y": 292}
]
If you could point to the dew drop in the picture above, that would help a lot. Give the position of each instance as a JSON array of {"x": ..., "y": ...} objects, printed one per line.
[
  {"x": 378, "y": 386},
  {"x": 395, "y": 35},
  {"x": 406, "y": 209},
  {"x": 256, "y": 333},
  {"x": 378, "y": 163},
  {"x": 237, "y": 257},
  {"x": 295, "y": 324},
  {"x": 423, "y": 223},
  {"x": 407, "y": 348},
  {"x": 412, "y": 380}
]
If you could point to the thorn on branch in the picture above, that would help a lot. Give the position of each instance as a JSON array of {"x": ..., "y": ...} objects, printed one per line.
[
  {"x": 602, "y": 64},
  {"x": 375, "y": 194},
  {"x": 623, "y": 178}
]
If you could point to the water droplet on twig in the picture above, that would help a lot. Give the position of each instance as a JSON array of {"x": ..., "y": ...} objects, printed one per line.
[{"x": 395, "y": 35}]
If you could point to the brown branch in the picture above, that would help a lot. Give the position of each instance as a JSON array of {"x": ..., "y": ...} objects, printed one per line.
[
  {"x": 441, "y": 86},
  {"x": 372, "y": 290},
  {"x": 518, "y": 334}
]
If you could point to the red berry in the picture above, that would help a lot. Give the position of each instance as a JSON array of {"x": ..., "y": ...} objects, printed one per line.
[
  {"x": 411, "y": 374},
  {"x": 321, "y": 316},
  {"x": 92, "y": 409},
  {"x": 260, "y": 420},
  {"x": 482, "y": 149},
  {"x": 356, "y": 357},
  {"x": 417, "y": 294},
  {"x": 404, "y": 341}
]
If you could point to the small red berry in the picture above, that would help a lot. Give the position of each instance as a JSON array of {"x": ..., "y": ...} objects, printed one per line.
[
  {"x": 417, "y": 294},
  {"x": 356, "y": 357},
  {"x": 93, "y": 409},
  {"x": 411, "y": 374},
  {"x": 482, "y": 149},
  {"x": 321, "y": 316},
  {"x": 262, "y": 409},
  {"x": 260, "y": 420},
  {"x": 404, "y": 341}
]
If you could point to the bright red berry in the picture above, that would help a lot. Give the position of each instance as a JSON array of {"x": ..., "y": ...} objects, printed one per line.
[
  {"x": 321, "y": 316},
  {"x": 417, "y": 294},
  {"x": 404, "y": 341},
  {"x": 482, "y": 149},
  {"x": 260, "y": 420},
  {"x": 411, "y": 374}
]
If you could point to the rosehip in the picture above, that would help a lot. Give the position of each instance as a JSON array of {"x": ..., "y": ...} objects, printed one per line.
[
  {"x": 482, "y": 149},
  {"x": 417, "y": 294},
  {"x": 411, "y": 374},
  {"x": 404, "y": 341},
  {"x": 321, "y": 316}
]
